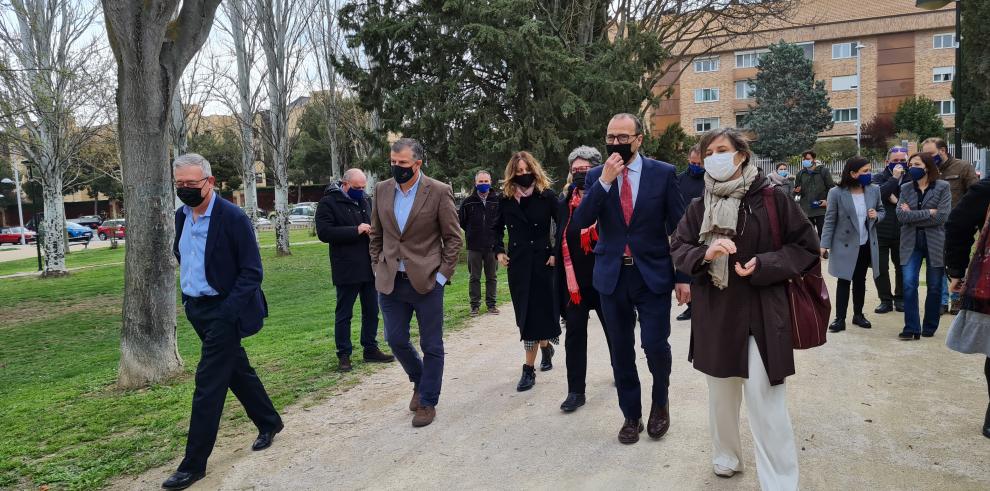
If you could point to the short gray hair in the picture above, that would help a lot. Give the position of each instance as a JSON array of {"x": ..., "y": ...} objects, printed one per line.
[
  {"x": 416, "y": 147},
  {"x": 193, "y": 160},
  {"x": 591, "y": 154},
  {"x": 635, "y": 119},
  {"x": 482, "y": 171},
  {"x": 349, "y": 174}
]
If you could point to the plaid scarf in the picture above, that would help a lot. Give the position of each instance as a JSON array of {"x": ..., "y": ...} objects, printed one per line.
[{"x": 588, "y": 237}]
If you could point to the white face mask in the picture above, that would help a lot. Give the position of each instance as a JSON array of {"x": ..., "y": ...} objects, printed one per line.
[{"x": 721, "y": 166}]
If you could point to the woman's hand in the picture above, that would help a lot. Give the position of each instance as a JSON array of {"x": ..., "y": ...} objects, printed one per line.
[
  {"x": 824, "y": 253},
  {"x": 551, "y": 261},
  {"x": 933, "y": 212},
  {"x": 719, "y": 248},
  {"x": 905, "y": 207},
  {"x": 956, "y": 285},
  {"x": 503, "y": 259},
  {"x": 746, "y": 270},
  {"x": 871, "y": 214}
]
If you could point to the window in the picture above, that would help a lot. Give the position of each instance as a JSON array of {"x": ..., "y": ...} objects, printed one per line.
[
  {"x": 809, "y": 50},
  {"x": 702, "y": 125},
  {"x": 944, "y": 41},
  {"x": 741, "y": 120},
  {"x": 946, "y": 108},
  {"x": 744, "y": 89},
  {"x": 847, "y": 82},
  {"x": 705, "y": 95},
  {"x": 943, "y": 74},
  {"x": 845, "y": 115},
  {"x": 844, "y": 50},
  {"x": 702, "y": 65},
  {"x": 749, "y": 59}
]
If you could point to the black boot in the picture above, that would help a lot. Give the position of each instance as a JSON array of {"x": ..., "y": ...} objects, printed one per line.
[
  {"x": 837, "y": 325},
  {"x": 686, "y": 315},
  {"x": 884, "y": 307},
  {"x": 898, "y": 306},
  {"x": 547, "y": 362},
  {"x": 860, "y": 320},
  {"x": 573, "y": 401},
  {"x": 528, "y": 379},
  {"x": 986, "y": 423}
]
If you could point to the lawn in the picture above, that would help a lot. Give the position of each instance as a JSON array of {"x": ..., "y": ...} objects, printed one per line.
[{"x": 65, "y": 423}]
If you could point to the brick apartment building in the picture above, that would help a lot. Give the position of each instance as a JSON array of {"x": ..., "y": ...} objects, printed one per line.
[{"x": 908, "y": 51}]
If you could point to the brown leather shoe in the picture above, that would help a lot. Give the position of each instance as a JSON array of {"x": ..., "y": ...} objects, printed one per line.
[
  {"x": 344, "y": 363},
  {"x": 630, "y": 431},
  {"x": 424, "y": 416},
  {"x": 659, "y": 421},
  {"x": 414, "y": 402}
]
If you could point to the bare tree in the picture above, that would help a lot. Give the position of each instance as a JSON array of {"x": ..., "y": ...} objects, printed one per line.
[
  {"x": 283, "y": 25},
  {"x": 54, "y": 83},
  {"x": 152, "y": 48},
  {"x": 192, "y": 94},
  {"x": 327, "y": 43}
]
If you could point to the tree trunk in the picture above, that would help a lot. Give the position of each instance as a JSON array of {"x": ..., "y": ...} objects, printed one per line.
[
  {"x": 282, "y": 219},
  {"x": 54, "y": 227}
]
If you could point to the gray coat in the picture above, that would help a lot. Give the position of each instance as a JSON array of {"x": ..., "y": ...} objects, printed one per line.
[
  {"x": 840, "y": 234},
  {"x": 938, "y": 198}
]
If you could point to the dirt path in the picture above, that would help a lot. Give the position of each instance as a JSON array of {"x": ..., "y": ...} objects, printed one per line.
[{"x": 869, "y": 411}]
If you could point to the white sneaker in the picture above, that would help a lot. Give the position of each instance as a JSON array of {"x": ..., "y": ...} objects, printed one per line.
[{"x": 723, "y": 471}]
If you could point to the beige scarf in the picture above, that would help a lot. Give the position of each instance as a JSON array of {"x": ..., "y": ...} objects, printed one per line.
[
  {"x": 521, "y": 193},
  {"x": 722, "y": 201}
]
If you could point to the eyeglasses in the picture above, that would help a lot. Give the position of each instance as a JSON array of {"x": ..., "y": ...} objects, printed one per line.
[
  {"x": 620, "y": 139},
  {"x": 189, "y": 184},
  {"x": 901, "y": 161}
]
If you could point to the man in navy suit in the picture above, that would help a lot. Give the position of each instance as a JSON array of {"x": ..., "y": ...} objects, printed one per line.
[
  {"x": 637, "y": 204},
  {"x": 220, "y": 276}
]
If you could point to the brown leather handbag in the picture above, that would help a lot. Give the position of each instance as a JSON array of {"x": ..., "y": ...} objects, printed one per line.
[{"x": 807, "y": 294}]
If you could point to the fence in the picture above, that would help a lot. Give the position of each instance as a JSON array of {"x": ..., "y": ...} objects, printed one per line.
[{"x": 978, "y": 156}]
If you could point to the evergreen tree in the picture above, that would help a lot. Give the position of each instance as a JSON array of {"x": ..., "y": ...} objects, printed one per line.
[
  {"x": 975, "y": 73},
  {"x": 792, "y": 108},
  {"x": 919, "y": 116}
]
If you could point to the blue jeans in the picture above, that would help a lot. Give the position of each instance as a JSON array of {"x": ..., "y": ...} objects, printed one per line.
[
  {"x": 346, "y": 296},
  {"x": 397, "y": 310},
  {"x": 933, "y": 298}
]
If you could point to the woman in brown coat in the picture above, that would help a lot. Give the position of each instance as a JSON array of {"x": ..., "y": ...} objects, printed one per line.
[{"x": 740, "y": 333}]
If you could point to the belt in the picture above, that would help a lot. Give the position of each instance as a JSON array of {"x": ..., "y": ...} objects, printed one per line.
[{"x": 628, "y": 261}]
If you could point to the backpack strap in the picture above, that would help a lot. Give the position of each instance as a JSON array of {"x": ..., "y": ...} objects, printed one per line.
[{"x": 770, "y": 203}]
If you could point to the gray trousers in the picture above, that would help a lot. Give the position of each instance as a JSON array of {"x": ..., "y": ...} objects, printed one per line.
[{"x": 477, "y": 261}]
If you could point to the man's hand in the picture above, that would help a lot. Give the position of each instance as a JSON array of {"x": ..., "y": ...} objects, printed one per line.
[
  {"x": 956, "y": 285},
  {"x": 551, "y": 261},
  {"x": 746, "y": 270},
  {"x": 871, "y": 214},
  {"x": 823, "y": 204},
  {"x": 898, "y": 171},
  {"x": 719, "y": 248},
  {"x": 683, "y": 293},
  {"x": 612, "y": 169},
  {"x": 503, "y": 259},
  {"x": 364, "y": 228}
]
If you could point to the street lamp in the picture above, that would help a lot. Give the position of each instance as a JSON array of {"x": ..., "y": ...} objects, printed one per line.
[
  {"x": 957, "y": 74},
  {"x": 17, "y": 189},
  {"x": 859, "y": 94}
]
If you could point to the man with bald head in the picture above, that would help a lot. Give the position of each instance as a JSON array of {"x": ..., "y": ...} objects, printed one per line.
[{"x": 343, "y": 220}]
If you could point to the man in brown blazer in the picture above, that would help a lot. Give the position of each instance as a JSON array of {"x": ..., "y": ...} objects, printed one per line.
[{"x": 415, "y": 242}]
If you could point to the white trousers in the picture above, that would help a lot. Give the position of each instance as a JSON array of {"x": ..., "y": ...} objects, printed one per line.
[{"x": 766, "y": 407}]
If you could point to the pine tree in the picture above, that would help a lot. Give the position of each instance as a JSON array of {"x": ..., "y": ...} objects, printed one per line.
[
  {"x": 792, "y": 108},
  {"x": 919, "y": 116},
  {"x": 975, "y": 73}
]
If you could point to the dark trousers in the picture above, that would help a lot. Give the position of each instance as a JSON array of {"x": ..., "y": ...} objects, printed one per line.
[
  {"x": 576, "y": 344},
  {"x": 819, "y": 223},
  {"x": 858, "y": 285},
  {"x": 397, "y": 310},
  {"x": 890, "y": 253},
  {"x": 223, "y": 364},
  {"x": 478, "y": 261},
  {"x": 346, "y": 295},
  {"x": 631, "y": 295}
]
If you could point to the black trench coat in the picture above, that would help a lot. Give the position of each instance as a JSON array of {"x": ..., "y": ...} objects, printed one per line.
[{"x": 531, "y": 281}]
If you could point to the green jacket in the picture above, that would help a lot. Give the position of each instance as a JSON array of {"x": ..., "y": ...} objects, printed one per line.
[{"x": 813, "y": 184}]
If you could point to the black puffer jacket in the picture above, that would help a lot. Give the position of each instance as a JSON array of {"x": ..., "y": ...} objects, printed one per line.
[
  {"x": 337, "y": 220},
  {"x": 477, "y": 217}
]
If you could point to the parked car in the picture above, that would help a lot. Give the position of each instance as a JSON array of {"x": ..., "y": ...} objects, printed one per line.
[
  {"x": 301, "y": 215},
  {"x": 12, "y": 235},
  {"x": 111, "y": 228},
  {"x": 91, "y": 221},
  {"x": 78, "y": 233}
]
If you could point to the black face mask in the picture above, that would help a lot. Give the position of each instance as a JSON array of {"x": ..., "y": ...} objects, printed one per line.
[
  {"x": 623, "y": 149},
  {"x": 402, "y": 175},
  {"x": 524, "y": 180},
  {"x": 578, "y": 179},
  {"x": 192, "y": 197}
]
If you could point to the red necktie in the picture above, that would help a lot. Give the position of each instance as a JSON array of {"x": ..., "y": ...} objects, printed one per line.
[{"x": 625, "y": 199}]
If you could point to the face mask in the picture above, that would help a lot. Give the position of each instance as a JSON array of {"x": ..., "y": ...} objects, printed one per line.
[
  {"x": 623, "y": 149},
  {"x": 938, "y": 159},
  {"x": 865, "y": 179},
  {"x": 402, "y": 175},
  {"x": 696, "y": 170},
  {"x": 483, "y": 188},
  {"x": 806, "y": 164},
  {"x": 721, "y": 166},
  {"x": 578, "y": 179},
  {"x": 192, "y": 197},
  {"x": 355, "y": 194},
  {"x": 782, "y": 173},
  {"x": 524, "y": 180},
  {"x": 917, "y": 173}
]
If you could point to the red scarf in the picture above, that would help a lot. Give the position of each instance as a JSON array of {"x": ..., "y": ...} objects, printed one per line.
[{"x": 588, "y": 237}]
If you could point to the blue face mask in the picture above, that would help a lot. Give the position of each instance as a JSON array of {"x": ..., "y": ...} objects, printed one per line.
[
  {"x": 355, "y": 194},
  {"x": 865, "y": 179},
  {"x": 917, "y": 173},
  {"x": 806, "y": 163},
  {"x": 696, "y": 170},
  {"x": 483, "y": 188},
  {"x": 938, "y": 159}
]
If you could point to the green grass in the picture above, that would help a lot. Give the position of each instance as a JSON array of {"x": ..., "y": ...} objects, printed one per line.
[{"x": 67, "y": 426}]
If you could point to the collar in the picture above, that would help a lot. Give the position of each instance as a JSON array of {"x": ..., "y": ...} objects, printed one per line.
[
  {"x": 209, "y": 209},
  {"x": 636, "y": 165},
  {"x": 413, "y": 189}
]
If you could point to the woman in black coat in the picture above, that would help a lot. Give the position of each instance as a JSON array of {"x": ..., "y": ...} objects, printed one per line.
[
  {"x": 575, "y": 265},
  {"x": 527, "y": 208}
]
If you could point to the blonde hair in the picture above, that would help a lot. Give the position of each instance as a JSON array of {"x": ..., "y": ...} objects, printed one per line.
[{"x": 541, "y": 182}]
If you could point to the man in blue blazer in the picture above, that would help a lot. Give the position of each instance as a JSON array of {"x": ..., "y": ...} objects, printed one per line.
[
  {"x": 220, "y": 275},
  {"x": 637, "y": 205}
]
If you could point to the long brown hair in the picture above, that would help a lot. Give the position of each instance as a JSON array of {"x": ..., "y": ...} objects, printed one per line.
[
  {"x": 541, "y": 182},
  {"x": 931, "y": 168}
]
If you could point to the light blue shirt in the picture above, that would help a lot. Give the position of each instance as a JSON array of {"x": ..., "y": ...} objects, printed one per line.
[
  {"x": 635, "y": 173},
  {"x": 192, "y": 253},
  {"x": 403, "y": 205}
]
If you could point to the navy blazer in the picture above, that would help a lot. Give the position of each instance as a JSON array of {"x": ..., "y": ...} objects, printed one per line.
[
  {"x": 657, "y": 211},
  {"x": 233, "y": 264}
]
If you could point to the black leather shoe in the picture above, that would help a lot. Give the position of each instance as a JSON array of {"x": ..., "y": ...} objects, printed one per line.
[
  {"x": 927, "y": 334},
  {"x": 685, "y": 316},
  {"x": 861, "y": 321},
  {"x": 528, "y": 379},
  {"x": 546, "y": 363},
  {"x": 344, "y": 363},
  {"x": 266, "y": 438},
  {"x": 182, "y": 480},
  {"x": 375, "y": 355},
  {"x": 884, "y": 308},
  {"x": 907, "y": 336},
  {"x": 986, "y": 424},
  {"x": 898, "y": 306},
  {"x": 837, "y": 325},
  {"x": 573, "y": 401},
  {"x": 629, "y": 433}
]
